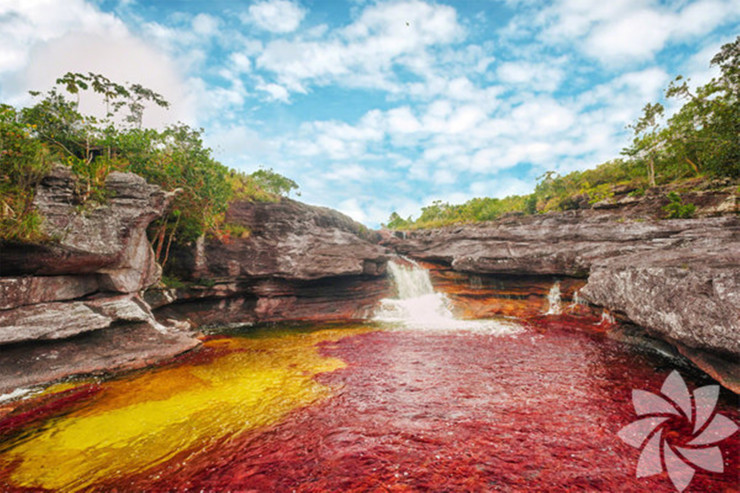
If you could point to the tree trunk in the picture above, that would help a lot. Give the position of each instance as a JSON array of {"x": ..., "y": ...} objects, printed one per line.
[{"x": 651, "y": 171}]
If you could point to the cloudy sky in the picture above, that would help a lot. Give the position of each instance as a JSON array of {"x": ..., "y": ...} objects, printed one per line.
[{"x": 375, "y": 106}]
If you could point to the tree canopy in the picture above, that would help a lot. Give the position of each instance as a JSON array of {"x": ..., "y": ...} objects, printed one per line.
[{"x": 53, "y": 131}]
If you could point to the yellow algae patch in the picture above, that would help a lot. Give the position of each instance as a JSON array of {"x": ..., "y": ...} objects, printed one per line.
[{"x": 144, "y": 420}]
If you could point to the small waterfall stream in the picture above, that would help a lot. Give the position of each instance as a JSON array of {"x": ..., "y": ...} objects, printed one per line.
[
  {"x": 418, "y": 306},
  {"x": 553, "y": 298}
]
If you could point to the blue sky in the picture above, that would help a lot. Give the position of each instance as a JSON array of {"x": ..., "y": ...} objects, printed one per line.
[{"x": 375, "y": 106}]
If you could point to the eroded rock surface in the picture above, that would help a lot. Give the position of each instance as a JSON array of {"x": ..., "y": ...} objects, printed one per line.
[
  {"x": 72, "y": 304},
  {"x": 107, "y": 239},
  {"x": 294, "y": 262}
]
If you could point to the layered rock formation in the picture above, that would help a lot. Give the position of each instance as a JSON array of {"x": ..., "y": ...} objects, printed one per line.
[
  {"x": 294, "y": 262},
  {"x": 79, "y": 293},
  {"x": 679, "y": 279}
]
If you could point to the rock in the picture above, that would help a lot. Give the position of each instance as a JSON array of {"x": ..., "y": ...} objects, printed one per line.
[
  {"x": 109, "y": 239},
  {"x": 30, "y": 290},
  {"x": 49, "y": 321},
  {"x": 567, "y": 243},
  {"x": 298, "y": 263},
  {"x": 117, "y": 348},
  {"x": 59, "y": 320},
  {"x": 685, "y": 295},
  {"x": 289, "y": 240}
]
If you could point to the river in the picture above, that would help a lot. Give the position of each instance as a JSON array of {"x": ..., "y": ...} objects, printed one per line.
[{"x": 413, "y": 401}]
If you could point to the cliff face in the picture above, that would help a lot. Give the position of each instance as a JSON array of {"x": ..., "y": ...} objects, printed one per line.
[
  {"x": 679, "y": 279},
  {"x": 73, "y": 305},
  {"x": 294, "y": 262},
  {"x": 77, "y": 304}
]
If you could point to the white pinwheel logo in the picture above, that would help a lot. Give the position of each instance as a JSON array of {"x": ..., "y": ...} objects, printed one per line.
[{"x": 699, "y": 452}]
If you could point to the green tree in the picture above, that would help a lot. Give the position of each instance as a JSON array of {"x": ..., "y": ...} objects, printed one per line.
[
  {"x": 273, "y": 182},
  {"x": 647, "y": 142}
]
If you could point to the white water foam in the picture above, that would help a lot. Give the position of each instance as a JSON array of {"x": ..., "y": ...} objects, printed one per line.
[
  {"x": 419, "y": 307},
  {"x": 553, "y": 298}
]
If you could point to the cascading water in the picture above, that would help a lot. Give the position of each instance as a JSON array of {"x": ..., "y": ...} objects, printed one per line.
[
  {"x": 577, "y": 300},
  {"x": 419, "y": 307},
  {"x": 553, "y": 298}
]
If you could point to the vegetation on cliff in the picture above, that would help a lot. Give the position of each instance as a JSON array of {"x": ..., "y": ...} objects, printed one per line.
[
  {"x": 54, "y": 131},
  {"x": 701, "y": 139}
]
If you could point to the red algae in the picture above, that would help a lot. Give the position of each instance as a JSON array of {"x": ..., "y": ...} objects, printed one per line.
[
  {"x": 456, "y": 412},
  {"x": 452, "y": 411}
]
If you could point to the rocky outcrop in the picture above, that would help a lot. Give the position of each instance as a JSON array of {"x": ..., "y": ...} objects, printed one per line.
[
  {"x": 86, "y": 279},
  {"x": 291, "y": 262},
  {"x": 563, "y": 244},
  {"x": 117, "y": 348},
  {"x": 678, "y": 279}
]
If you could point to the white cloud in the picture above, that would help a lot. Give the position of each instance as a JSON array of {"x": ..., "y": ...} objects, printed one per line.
[
  {"x": 26, "y": 24},
  {"x": 275, "y": 92},
  {"x": 277, "y": 16},
  {"x": 240, "y": 62},
  {"x": 42, "y": 40},
  {"x": 624, "y": 31},
  {"x": 537, "y": 76},
  {"x": 364, "y": 53},
  {"x": 205, "y": 25}
]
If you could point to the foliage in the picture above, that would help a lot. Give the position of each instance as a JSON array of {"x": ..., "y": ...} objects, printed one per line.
[
  {"x": 272, "y": 182},
  {"x": 676, "y": 209},
  {"x": 24, "y": 160},
  {"x": 397, "y": 222},
  {"x": 173, "y": 282},
  {"x": 702, "y": 136},
  {"x": 176, "y": 158}
]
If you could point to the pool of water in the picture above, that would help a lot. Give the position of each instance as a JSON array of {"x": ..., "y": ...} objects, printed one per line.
[{"x": 357, "y": 408}]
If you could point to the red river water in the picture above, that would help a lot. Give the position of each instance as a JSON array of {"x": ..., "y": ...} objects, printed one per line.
[{"x": 361, "y": 409}]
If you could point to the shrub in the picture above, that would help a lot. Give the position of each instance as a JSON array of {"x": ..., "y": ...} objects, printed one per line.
[{"x": 676, "y": 209}]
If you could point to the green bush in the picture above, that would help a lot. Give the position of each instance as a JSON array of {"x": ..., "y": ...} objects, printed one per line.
[
  {"x": 676, "y": 209},
  {"x": 54, "y": 131}
]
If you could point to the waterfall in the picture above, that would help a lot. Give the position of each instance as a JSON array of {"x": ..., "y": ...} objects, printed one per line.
[
  {"x": 418, "y": 306},
  {"x": 577, "y": 300},
  {"x": 553, "y": 298},
  {"x": 606, "y": 318}
]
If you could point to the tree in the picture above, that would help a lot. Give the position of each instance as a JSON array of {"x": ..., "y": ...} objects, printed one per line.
[
  {"x": 273, "y": 182},
  {"x": 647, "y": 142},
  {"x": 705, "y": 132}
]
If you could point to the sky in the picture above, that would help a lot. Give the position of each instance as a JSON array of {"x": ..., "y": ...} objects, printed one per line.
[{"x": 381, "y": 106}]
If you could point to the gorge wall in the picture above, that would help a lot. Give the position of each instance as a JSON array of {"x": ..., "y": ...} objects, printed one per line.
[
  {"x": 73, "y": 304},
  {"x": 89, "y": 300},
  {"x": 294, "y": 262}
]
